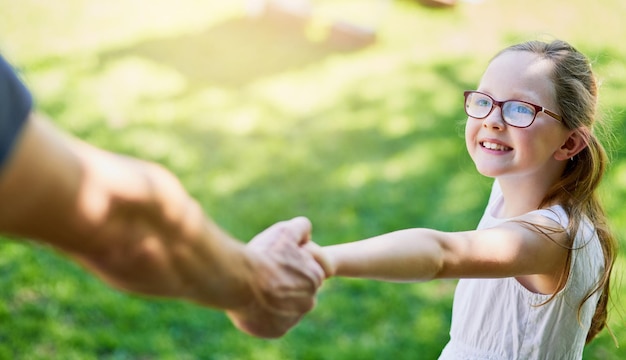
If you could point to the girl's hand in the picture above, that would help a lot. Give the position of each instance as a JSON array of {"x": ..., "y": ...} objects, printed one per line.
[
  {"x": 322, "y": 258},
  {"x": 284, "y": 279}
]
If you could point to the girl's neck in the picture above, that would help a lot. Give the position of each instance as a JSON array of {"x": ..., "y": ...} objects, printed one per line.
[{"x": 521, "y": 196}]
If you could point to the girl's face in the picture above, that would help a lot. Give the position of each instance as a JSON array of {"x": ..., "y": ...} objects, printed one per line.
[{"x": 500, "y": 150}]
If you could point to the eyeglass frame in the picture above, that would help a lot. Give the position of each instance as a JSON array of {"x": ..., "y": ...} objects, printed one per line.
[{"x": 500, "y": 104}]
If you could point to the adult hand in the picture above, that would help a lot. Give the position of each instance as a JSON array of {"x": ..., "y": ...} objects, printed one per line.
[{"x": 284, "y": 279}]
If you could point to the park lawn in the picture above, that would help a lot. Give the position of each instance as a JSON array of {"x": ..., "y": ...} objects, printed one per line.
[{"x": 264, "y": 121}]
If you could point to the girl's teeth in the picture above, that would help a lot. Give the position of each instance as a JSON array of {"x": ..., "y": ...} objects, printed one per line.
[{"x": 493, "y": 146}]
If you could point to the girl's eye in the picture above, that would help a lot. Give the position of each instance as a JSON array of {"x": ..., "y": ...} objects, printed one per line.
[
  {"x": 522, "y": 109},
  {"x": 483, "y": 102}
]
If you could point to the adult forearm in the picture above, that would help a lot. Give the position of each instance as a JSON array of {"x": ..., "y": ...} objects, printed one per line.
[
  {"x": 154, "y": 239},
  {"x": 405, "y": 255},
  {"x": 129, "y": 221}
]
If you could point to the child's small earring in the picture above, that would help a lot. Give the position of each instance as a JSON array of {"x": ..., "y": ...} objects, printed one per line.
[{"x": 571, "y": 159}]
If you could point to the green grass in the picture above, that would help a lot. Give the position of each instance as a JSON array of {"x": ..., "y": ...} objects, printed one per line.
[{"x": 264, "y": 121}]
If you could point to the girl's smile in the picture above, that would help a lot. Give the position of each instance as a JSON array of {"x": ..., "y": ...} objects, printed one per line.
[{"x": 495, "y": 146}]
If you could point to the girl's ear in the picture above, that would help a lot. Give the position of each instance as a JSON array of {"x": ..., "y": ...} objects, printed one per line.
[{"x": 574, "y": 144}]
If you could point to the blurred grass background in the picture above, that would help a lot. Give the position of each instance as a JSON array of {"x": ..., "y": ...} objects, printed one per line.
[{"x": 265, "y": 119}]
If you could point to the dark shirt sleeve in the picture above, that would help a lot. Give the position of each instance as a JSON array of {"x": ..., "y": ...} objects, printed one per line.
[{"x": 15, "y": 105}]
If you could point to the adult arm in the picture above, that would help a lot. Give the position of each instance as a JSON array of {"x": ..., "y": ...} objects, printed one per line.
[
  {"x": 132, "y": 223},
  {"x": 509, "y": 250}
]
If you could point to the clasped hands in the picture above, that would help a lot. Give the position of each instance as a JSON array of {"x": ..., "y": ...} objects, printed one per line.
[{"x": 287, "y": 270}]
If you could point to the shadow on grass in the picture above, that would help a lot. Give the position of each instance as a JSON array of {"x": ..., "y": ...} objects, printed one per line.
[
  {"x": 72, "y": 315},
  {"x": 240, "y": 50}
]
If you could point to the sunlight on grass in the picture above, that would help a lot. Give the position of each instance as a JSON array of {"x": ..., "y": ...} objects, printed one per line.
[
  {"x": 227, "y": 184},
  {"x": 125, "y": 83},
  {"x": 419, "y": 159},
  {"x": 84, "y": 25},
  {"x": 467, "y": 191}
]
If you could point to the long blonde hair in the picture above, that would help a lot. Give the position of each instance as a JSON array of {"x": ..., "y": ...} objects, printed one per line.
[{"x": 576, "y": 95}]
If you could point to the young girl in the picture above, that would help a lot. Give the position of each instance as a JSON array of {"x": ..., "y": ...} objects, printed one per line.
[{"x": 535, "y": 274}]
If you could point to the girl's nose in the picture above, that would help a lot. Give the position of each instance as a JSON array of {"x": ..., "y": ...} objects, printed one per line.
[{"x": 494, "y": 119}]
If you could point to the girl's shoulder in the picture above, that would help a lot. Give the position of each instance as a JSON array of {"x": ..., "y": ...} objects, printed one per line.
[
  {"x": 555, "y": 213},
  {"x": 555, "y": 221}
]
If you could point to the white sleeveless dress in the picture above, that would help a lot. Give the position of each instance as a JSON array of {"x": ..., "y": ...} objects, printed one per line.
[{"x": 499, "y": 318}]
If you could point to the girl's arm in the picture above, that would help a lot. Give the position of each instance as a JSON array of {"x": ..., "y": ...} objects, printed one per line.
[{"x": 423, "y": 254}]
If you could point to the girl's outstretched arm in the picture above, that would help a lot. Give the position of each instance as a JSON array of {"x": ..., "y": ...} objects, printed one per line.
[{"x": 510, "y": 249}]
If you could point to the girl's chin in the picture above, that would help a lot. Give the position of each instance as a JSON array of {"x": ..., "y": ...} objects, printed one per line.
[{"x": 489, "y": 171}]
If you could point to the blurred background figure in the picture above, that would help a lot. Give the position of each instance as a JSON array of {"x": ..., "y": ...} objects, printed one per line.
[
  {"x": 438, "y": 3},
  {"x": 293, "y": 7},
  {"x": 356, "y": 26}
]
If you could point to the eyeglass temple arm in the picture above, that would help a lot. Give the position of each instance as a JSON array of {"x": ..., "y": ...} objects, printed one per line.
[{"x": 553, "y": 115}]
